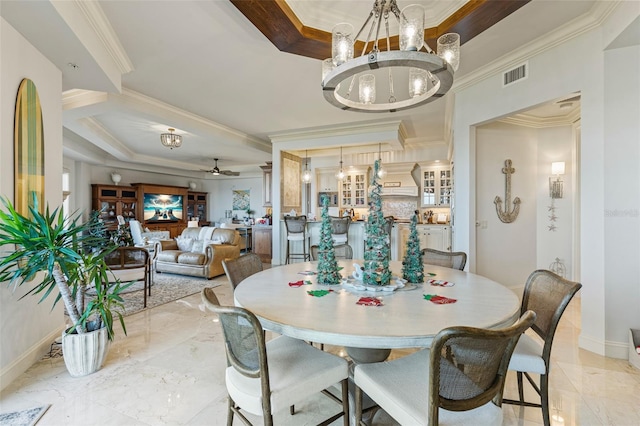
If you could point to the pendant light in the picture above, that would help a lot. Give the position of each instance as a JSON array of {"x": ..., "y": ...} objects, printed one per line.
[
  {"x": 381, "y": 172},
  {"x": 306, "y": 175},
  {"x": 340, "y": 174}
]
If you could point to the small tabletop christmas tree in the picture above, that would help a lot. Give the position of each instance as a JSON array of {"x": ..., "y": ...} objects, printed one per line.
[
  {"x": 327, "y": 264},
  {"x": 412, "y": 266},
  {"x": 376, "y": 245}
]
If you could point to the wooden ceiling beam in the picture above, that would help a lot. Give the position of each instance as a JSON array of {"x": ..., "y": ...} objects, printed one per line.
[{"x": 276, "y": 20}]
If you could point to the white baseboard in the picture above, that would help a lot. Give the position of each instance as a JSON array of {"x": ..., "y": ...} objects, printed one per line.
[
  {"x": 28, "y": 358},
  {"x": 592, "y": 345},
  {"x": 618, "y": 350}
]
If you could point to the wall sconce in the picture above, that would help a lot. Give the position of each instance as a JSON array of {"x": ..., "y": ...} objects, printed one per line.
[
  {"x": 116, "y": 178},
  {"x": 555, "y": 184}
]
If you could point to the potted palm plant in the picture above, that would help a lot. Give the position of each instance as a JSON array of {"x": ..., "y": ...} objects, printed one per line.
[{"x": 71, "y": 254}]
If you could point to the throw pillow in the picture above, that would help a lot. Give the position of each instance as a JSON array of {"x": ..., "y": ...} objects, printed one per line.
[
  {"x": 198, "y": 246},
  {"x": 184, "y": 243}
]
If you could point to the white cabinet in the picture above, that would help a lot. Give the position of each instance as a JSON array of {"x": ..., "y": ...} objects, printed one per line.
[
  {"x": 327, "y": 182},
  {"x": 437, "y": 184},
  {"x": 431, "y": 236},
  {"x": 353, "y": 190},
  {"x": 435, "y": 237}
]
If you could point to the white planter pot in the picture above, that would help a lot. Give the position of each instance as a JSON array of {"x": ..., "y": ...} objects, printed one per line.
[{"x": 85, "y": 353}]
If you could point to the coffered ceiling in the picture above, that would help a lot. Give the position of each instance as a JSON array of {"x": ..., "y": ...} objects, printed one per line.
[{"x": 132, "y": 69}]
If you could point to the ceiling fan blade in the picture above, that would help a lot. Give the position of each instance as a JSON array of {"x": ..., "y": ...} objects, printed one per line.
[{"x": 229, "y": 173}]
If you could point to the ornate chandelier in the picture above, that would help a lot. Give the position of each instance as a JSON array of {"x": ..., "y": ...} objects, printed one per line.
[
  {"x": 171, "y": 140},
  {"x": 427, "y": 75}
]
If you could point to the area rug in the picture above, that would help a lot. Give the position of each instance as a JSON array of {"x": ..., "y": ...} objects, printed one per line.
[
  {"x": 23, "y": 418},
  {"x": 166, "y": 288}
]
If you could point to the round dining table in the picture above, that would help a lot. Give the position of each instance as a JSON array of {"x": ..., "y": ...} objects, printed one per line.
[{"x": 404, "y": 319}]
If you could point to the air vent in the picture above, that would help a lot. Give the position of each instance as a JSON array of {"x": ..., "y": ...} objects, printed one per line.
[{"x": 514, "y": 75}]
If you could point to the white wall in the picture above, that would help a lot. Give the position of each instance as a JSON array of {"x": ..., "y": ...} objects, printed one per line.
[
  {"x": 609, "y": 128},
  {"x": 621, "y": 195},
  {"x": 555, "y": 144},
  {"x": 506, "y": 252},
  {"x": 27, "y": 328}
]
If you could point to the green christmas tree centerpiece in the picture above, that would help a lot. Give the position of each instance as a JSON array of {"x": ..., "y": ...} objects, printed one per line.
[
  {"x": 412, "y": 266},
  {"x": 376, "y": 245},
  {"x": 327, "y": 264}
]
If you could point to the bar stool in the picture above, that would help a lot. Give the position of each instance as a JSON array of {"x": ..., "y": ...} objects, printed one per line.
[
  {"x": 296, "y": 231},
  {"x": 340, "y": 229}
]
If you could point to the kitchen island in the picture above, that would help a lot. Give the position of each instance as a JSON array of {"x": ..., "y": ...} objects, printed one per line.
[{"x": 356, "y": 239}]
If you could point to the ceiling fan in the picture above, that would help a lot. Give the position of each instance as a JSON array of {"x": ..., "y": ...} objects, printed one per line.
[{"x": 216, "y": 171}]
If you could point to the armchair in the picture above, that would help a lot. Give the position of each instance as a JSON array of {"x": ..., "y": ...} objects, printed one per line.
[{"x": 139, "y": 235}]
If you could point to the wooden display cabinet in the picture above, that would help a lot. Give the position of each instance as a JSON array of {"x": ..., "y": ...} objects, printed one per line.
[
  {"x": 262, "y": 242},
  {"x": 113, "y": 201},
  {"x": 197, "y": 207}
]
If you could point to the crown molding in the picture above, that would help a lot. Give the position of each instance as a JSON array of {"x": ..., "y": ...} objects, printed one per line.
[
  {"x": 146, "y": 102},
  {"x": 541, "y": 123},
  {"x": 561, "y": 35},
  {"x": 98, "y": 21},
  {"x": 392, "y": 132}
]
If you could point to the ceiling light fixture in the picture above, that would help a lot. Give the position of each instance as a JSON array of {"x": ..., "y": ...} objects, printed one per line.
[
  {"x": 381, "y": 172},
  {"x": 340, "y": 174},
  {"x": 306, "y": 175},
  {"x": 171, "y": 140},
  {"x": 429, "y": 75}
]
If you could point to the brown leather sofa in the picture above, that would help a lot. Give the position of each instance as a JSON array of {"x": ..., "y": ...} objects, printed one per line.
[{"x": 200, "y": 253}]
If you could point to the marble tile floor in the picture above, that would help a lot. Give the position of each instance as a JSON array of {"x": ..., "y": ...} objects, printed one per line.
[{"x": 169, "y": 371}]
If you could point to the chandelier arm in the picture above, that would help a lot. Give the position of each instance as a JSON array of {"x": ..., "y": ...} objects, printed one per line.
[
  {"x": 362, "y": 28},
  {"x": 375, "y": 43},
  {"x": 392, "y": 96},
  {"x": 373, "y": 24}
]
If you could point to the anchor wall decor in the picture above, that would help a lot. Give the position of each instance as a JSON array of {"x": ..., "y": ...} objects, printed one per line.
[{"x": 507, "y": 216}]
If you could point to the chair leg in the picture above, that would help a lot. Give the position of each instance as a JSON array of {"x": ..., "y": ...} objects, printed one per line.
[
  {"x": 230, "y": 405},
  {"x": 345, "y": 402},
  {"x": 292, "y": 410},
  {"x": 286, "y": 262},
  {"x": 358, "y": 409},
  {"x": 520, "y": 387},
  {"x": 544, "y": 398}
]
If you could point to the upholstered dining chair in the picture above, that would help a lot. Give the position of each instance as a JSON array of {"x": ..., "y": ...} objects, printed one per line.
[
  {"x": 458, "y": 381},
  {"x": 296, "y": 227},
  {"x": 449, "y": 259},
  {"x": 241, "y": 268},
  {"x": 548, "y": 295},
  {"x": 340, "y": 229},
  {"x": 342, "y": 251},
  {"x": 266, "y": 378}
]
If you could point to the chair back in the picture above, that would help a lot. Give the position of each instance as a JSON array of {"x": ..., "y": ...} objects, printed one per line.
[
  {"x": 340, "y": 225},
  {"x": 342, "y": 251},
  {"x": 136, "y": 232},
  {"x": 241, "y": 268},
  {"x": 295, "y": 224},
  {"x": 548, "y": 295},
  {"x": 468, "y": 366},
  {"x": 388, "y": 223},
  {"x": 243, "y": 338},
  {"x": 453, "y": 259}
]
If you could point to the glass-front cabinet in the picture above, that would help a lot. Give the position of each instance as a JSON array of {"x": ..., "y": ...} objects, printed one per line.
[
  {"x": 113, "y": 201},
  {"x": 197, "y": 206},
  {"x": 437, "y": 185},
  {"x": 353, "y": 190}
]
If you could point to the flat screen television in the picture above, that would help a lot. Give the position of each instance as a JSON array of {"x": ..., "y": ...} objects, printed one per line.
[{"x": 163, "y": 208}]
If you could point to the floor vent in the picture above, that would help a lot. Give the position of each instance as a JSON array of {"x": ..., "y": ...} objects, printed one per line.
[{"x": 521, "y": 72}]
